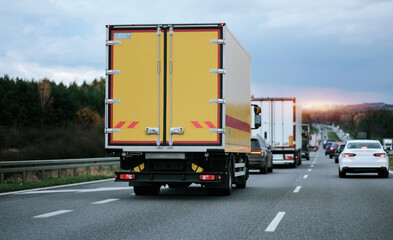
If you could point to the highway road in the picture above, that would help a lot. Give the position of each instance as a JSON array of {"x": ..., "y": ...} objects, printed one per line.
[{"x": 308, "y": 202}]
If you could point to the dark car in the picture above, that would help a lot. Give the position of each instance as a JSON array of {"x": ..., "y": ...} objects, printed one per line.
[
  {"x": 260, "y": 157},
  {"x": 327, "y": 147},
  {"x": 332, "y": 149},
  {"x": 339, "y": 149},
  {"x": 305, "y": 149}
]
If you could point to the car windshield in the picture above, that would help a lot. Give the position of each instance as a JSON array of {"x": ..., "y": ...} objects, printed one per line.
[
  {"x": 255, "y": 144},
  {"x": 363, "y": 145}
]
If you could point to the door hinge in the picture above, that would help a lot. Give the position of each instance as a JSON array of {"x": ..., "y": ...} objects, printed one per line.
[
  {"x": 111, "y": 72},
  {"x": 221, "y": 100},
  {"x": 220, "y": 71},
  {"x": 112, "y": 101},
  {"x": 112, "y": 130},
  {"x": 217, "y": 130},
  {"x": 111, "y": 43},
  {"x": 218, "y": 41}
]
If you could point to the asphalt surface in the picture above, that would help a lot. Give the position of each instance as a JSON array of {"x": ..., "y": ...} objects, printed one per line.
[{"x": 307, "y": 202}]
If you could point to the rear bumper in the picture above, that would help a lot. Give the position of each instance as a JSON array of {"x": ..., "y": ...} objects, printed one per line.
[
  {"x": 364, "y": 170},
  {"x": 283, "y": 162},
  {"x": 148, "y": 178},
  {"x": 256, "y": 163}
]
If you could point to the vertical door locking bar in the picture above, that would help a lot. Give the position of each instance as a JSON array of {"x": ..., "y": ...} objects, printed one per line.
[
  {"x": 177, "y": 130},
  {"x": 149, "y": 130}
]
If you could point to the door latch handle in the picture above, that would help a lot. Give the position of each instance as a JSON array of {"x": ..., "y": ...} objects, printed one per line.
[{"x": 179, "y": 130}]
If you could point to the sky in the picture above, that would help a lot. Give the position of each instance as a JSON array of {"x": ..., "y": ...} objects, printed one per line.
[{"x": 321, "y": 52}]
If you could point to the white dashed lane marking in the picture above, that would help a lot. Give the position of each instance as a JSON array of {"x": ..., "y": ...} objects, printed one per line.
[
  {"x": 51, "y": 214},
  {"x": 305, "y": 176},
  {"x": 273, "y": 225},
  {"x": 106, "y": 201},
  {"x": 297, "y": 189}
]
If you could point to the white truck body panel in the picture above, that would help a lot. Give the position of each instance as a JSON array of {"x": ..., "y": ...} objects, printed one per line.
[
  {"x": 281, "y": 127},
  {"x": 387, "y": 144}
]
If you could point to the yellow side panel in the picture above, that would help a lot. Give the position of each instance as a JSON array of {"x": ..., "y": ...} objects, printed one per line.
[
  {"x": 136, "y": 87},
  {"x": 193, "y": 86}
]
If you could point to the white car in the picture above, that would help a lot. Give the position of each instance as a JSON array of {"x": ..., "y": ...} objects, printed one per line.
[{"x": 360, "y": 156}]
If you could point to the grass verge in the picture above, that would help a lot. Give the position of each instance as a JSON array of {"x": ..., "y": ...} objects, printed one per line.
[
  {"x": 391, "y": 162},
  {"x": 333, "y": 136},
  {"x": 17, "y": 186}
]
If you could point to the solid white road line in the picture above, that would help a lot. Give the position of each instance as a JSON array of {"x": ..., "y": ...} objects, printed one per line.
[
  {"x": 297, "y": 189},
  {"x": 103, "y": 189},
  {"x": 305, "y": 176},
  {"x": 60, "y": 186},
  {"x": 106, "y": 201},
  {"x": 53, "y": 213},
  {"x": 272, "y": 226}
]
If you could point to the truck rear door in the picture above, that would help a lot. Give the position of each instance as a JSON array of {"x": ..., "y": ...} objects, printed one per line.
[{"x": 160, "y": 86}]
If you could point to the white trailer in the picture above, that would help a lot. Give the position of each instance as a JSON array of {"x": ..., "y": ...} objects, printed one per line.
[
  {"x": 387, "y": 144},
  {"x": 281, "y": 128}
]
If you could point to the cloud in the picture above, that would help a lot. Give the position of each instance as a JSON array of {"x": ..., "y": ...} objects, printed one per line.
[
  {"x": 351, "y": 21},
  {"x": 14, "y": 66}
]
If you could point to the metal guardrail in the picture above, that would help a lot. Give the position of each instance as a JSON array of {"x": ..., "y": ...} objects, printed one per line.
[{"x": 56, "y": 164}]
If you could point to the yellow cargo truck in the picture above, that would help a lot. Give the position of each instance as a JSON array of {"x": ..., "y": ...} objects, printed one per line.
[{"x": 178, "y": 106}]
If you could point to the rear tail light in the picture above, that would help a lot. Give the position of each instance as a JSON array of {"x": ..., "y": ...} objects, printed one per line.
[
  {"x": 379, "y": 155},
  {"x": 288, "y": 157},
  {"x": 257, "y": 152},
  {"x": 349, "y": 155},
  {"x": 127, "y": 176},
  {"x": 315, "y": 148},
  {"x": 209, "y": 177}
]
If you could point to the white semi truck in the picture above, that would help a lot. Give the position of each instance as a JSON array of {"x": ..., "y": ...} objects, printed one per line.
[{"x": 281, "y": 127}]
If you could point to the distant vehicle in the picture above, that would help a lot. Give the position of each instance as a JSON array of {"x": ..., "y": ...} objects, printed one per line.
[
  {"x": 363, "y": 156},
  {"x": 387, "y": 144},
  {"x": 306, "y": 141},
  {"x": 327, "y": 143},
  {"x": 339, "y": 149},
  {"x": 313, "y": 144},
  {"x": 327, "y": 147},
  {"x": 281, "y": 128},
  {"x": 332, "y": 148},
  {"x": 260, "y": 157},
  {"x": 305, "y": 149}
]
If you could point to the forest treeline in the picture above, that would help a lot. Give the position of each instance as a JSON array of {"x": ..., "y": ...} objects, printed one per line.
[
  {"x": 44, "y": 120},
  {"x": 377, "y": 123}
]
